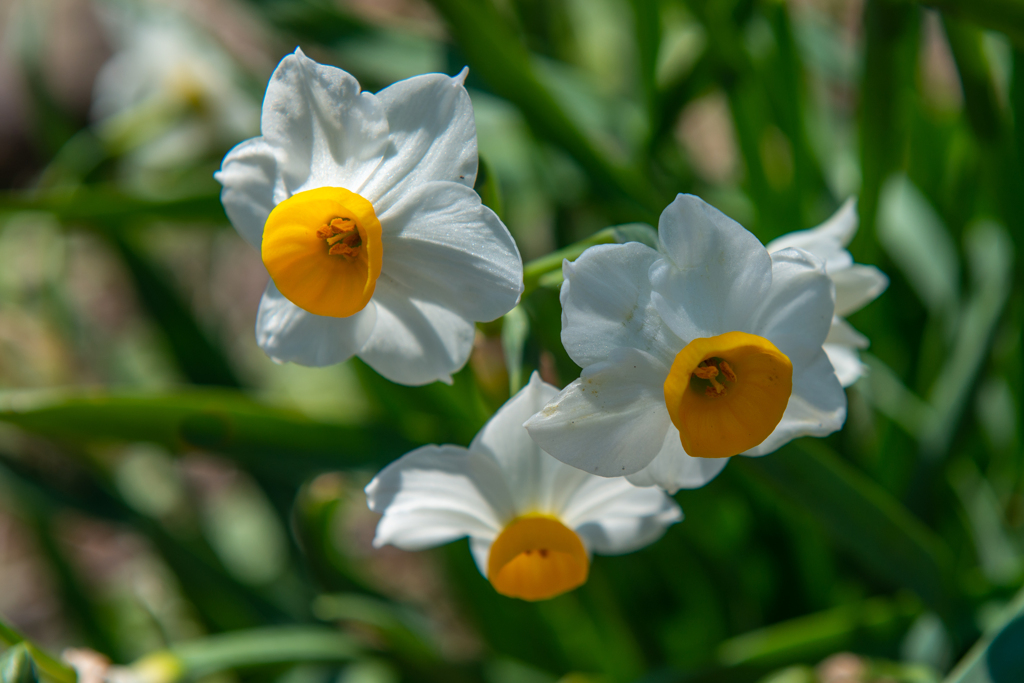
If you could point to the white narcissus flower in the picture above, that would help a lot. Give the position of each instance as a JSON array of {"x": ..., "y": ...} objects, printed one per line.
[
  {"x": 364, "y": 211},
  {"x": 856, "y": 285},
  {"x": 532, "y": 521},
  {"x": 169, "y": 94},
  {"x": 708, "y": 348}
]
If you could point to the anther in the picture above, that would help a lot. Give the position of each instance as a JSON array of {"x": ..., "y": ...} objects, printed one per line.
[
  {"x": 727, "y": 371},
  {"x": 706, "y": 372},
  {"x": 342, "y": 237}
]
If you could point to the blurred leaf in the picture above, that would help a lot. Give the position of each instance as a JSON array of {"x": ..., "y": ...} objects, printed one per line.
[
  {"x": 1006, "y": 16},
  {"x": 243, "y": 649},
  {"x": 889, "y": 72},
  {"x": 916, "y": 239},
  {"x": 861, "y": 517},
  {"x": 515, "y": 330},
  {"x": 219, "y": 420},
  {"x": 998, "y": 656},
  {"x": 981, "y": 101},
  {"x": 99, "y": 205},
  {"x": 402, "y": 630},
  {"x": 536, "y": 271},
  {"x": 809, "y": 638},
  {"x": 13, "y": 664},
  {"x": 990, "y": 255},
  {"x": 199, "y": 358},
  {"x": 506, "y": 66},
  {"x": 16, "y": 666},
  {"x": 998, "y": 555},
  {"x": 489, "y": 189},
  {"x": 893, "y": 399}
]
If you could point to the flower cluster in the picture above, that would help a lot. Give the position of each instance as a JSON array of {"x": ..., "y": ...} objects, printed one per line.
[{"x": 710, "y": 346}]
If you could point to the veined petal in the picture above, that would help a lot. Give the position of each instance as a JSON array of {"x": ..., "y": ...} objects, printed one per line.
[
  {"x": 437, "y": 494},
  {"x": 673, "y": 469},
  {"x": 796, "y": 313},
  {"x": 606, "y": 304},
  {"x": 415, "y": 342},
  {"x": 846, "y": 362},
  {"x": 817, "y": 406},
  {"x": 715, "y": 272},
  {"x": 287, "y": 333},
  {"x": 827, "y": 241},
  {"x": 612, "y": 420},
  {"x": 857, "y": 286},
  {"x": 443, "y": 244},
  {"x": 252, "y": 186},
  {"x": 612, "y": 516},
  {"x": 433, "y": 137},
  {"x": 331, "y": 133}
]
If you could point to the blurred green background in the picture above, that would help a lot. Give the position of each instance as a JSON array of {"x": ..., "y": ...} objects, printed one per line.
[{"x": 172, "y": 499}]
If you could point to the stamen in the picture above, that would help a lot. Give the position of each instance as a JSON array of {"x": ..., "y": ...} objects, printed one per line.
[
  {"x": 706, "y": 371},
  {"x": 719, "y": 389},
  {"x": 727, "y": 371},
  {"x": 342, "y": 238}
]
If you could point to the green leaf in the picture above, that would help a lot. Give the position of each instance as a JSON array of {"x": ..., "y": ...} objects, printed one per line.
[
  {"x": 515, "y": 330},
  {"x": 199, "y": 358},
  {"x": 1006, "y": 16},
  {"x": 220, "y": 420},
  {"x": 16, "y": 666},
  {"x": 813, "y": 636},
  {"x": 13, "y": 664},
  {"x": 244, "y": 649},
  {"x": 100, "y": 205},
  {"x": 861, "y": 517},
  {"x": 506, "y": 66},
  {"x": 916, "y": 239},
  {"x": 890, "y": 61},
  {"x": 998, "y": 656},
  {"x": 547, "y": 270},
  {"x": 990, "y": 255}
]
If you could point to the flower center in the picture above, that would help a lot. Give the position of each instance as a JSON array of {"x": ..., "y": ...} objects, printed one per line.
[
  {"x": 536, "y": 558},
  {"x": 726, "y": 394},
  {"x": 323, "y": 250}
]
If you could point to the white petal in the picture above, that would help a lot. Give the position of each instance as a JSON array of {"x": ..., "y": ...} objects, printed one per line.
[
  {"x": 480, "y": 549},
  {"x": 433, "y": 137},
  {"x": 613, "y": 517},
  {"x": 842, "y": 332},
  {"x": 436, "y": 494},
  {"x": 715, "y": 273},
  {"x": 827, "y": 241},
  {"x": 250, "y": 177},
  {"x": 857, "y": 286},
  {"x": 606, "y": 304},
  {"x": 331, "y": 133},
  {"x": 817, "y": 406},
  {"x": 537, "y": 481},
  {"x": 443, "y": 244},
  {"x": 673, "y": 469},
  {"x": 846, "y": 362},
  {"x": 415, "y": 342},
  {"x": 612, "y": 420},
  {"x": 287, "y": 333},
  {"x": 796, "y": 314}
]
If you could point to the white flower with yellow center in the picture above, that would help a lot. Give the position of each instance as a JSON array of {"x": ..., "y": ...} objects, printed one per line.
[
  {"x": 363, "y": 209},
  {"x": 705, "y": 349},
  {"x": 856, "y": 285},
  {"x": 532, "y": 521}
]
